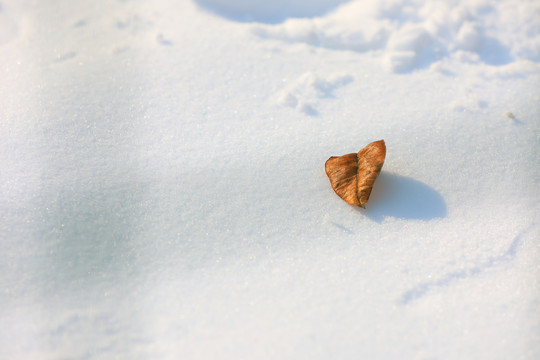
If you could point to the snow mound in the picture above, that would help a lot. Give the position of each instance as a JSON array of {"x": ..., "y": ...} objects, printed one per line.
[
  {"x": 415, "y": 34},
  {"x": 163, "y": 191}
]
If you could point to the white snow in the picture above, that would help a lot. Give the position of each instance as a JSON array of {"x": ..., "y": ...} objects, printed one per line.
[
  {"x": 163, "y": 194},
  {"x": 417, "y": 33}
]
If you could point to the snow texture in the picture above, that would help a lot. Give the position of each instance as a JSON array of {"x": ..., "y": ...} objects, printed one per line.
[
  {"x": 163, "y": 194},
  {"x": 416, "y": 33}
]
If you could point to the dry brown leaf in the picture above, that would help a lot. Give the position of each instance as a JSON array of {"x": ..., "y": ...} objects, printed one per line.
[{"x": 352, "y": 175}]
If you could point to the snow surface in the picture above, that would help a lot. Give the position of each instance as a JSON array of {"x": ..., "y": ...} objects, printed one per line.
[{"x": 162, "y": 185}]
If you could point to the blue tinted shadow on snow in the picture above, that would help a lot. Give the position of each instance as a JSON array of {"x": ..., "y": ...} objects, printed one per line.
[
  {"x": 89, "y": 230},
  {"x": 490, "y": 51},
  {"x": 405, "y": 198},
  {"x": 269, "y": 12},
  {"x": 493, "y": 52},
  {"x": 517, "y": 122},
  {"x": 446, "y": 280},
  {"x": 342, "y": 228}
]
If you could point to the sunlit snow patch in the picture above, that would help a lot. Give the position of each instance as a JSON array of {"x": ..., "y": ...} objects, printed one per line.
[{"x": 415, "y": 34}]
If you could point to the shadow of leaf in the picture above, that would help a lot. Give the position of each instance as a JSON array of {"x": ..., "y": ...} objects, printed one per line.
[{"x": 405, "y": 198}]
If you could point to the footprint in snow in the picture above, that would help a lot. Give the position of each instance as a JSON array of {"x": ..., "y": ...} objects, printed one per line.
[{"x": 305, "y": 92}]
